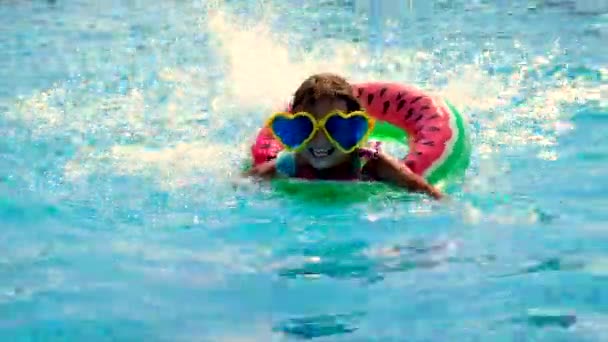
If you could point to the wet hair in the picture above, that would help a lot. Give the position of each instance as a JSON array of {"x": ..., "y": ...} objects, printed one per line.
[{"x": 325, "y": 85}]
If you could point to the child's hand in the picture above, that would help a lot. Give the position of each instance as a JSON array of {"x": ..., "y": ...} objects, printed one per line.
[
  {"x": 435, "y": 193},
  {"x": 265, "y": 170}
]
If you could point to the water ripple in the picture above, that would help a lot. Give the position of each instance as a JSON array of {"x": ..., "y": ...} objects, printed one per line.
[
  {"x": 320, "y": 326},
  {"x": 357, "y": 260}
]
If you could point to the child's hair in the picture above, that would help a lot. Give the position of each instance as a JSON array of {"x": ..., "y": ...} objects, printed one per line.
[{"x": 325, "y": 85}]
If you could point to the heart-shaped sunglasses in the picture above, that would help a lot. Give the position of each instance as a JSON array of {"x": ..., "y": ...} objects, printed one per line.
[{"x": 345, "y": 131}]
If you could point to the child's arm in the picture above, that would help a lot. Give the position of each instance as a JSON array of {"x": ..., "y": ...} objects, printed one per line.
[
  {"x": 284, "y": 165},
  {"x": 385, "y": 168}
]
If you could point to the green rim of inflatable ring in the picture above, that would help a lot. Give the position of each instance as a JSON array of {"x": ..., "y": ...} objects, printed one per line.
[{"x": 458, "y": 161}]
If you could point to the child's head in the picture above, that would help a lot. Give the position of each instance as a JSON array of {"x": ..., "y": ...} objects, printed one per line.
[{"x": 320, "y": 95}]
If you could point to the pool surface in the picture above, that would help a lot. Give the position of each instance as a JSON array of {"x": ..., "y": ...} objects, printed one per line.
[{"x": 123, "y": 126}]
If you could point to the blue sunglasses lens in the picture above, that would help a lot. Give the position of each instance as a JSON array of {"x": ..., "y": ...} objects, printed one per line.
[
  {"x": 348, "y": 132},
  {"x": 292, "y": 131}
]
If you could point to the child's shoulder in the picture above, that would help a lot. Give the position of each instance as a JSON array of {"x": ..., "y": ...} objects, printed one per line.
[{"x": 286, "y": 164}]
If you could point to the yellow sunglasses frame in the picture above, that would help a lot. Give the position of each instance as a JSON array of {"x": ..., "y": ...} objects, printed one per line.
[{"x": 320, "y": 124}]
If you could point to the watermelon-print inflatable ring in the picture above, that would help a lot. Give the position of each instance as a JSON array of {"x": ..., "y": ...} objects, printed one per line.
[{"x": 433, "y": 130}]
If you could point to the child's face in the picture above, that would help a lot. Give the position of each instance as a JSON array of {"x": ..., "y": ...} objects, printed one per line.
[{"x": 320, "y": 153}]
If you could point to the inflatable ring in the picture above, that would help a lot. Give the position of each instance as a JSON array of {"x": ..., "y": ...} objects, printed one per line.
[{"x": 432, "y": 129}]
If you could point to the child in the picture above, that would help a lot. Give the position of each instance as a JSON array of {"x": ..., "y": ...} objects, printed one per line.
[{"x": 322, "y": 95}]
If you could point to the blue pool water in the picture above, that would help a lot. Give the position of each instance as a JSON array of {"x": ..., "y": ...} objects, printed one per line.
[{"x": 122, "y": 217}]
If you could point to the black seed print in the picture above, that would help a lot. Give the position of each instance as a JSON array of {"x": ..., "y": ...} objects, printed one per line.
[
  {"x": 400, "y": 105},
  {"x": 434, "y": 116},
  {"x": 370, "y": 98},
  {"x": 359, "y": 92},
  {"x": 425, "y": 108},
  {"x": 385, "y": 107},
  {"x": 417, "y": 99},
  {"x": 399, "y": 96},
  {"x": 382, "y": 91},
  {"x": 429, "y": 143},
  {"x": 410, "y": 112},
  {"x": 433, "y": 129},
  {"x": 418, "y": 118}
]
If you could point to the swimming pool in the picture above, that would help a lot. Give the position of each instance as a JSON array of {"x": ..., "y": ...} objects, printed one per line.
[{"x": 122, "y": 217}]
